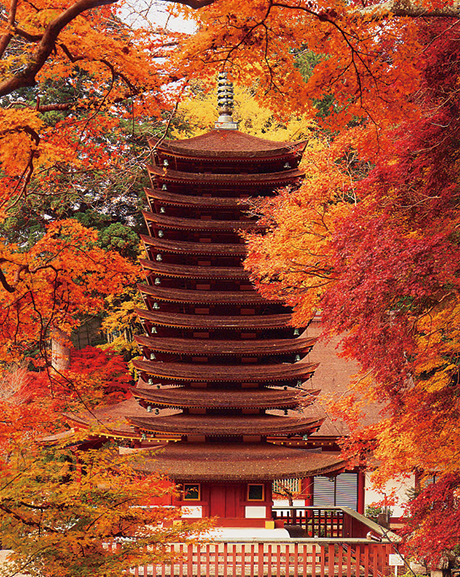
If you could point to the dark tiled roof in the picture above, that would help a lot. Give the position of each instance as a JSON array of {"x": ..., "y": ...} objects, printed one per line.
[
  {"x": 226, "y": 373},
  {"x": 224, "y": 347},
  {"x": 215, "y": 322},
  {"x": 227, "y": 426},
  {"x": 238, "y": 462},
  {"x": 264, "y": 398},
  {"x": 184, "y": 247}
]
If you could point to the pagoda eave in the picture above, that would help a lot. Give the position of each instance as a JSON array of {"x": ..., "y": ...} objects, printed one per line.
[
  {"x": 226, "y": 373},
  {"x": 226, "y": 347},
  {"x": 227, "y": 145},
  {"x": 223, "y": 426},
  {"x": 248, "y": 462},
  {"x": 191, "y": 224},
  {"x": 194, "y": 272},
  {"x": 208, "y": 297},
  {"x": 194, "y": 248},
  {"x": 186, "y": 398},
  {"x": 215, "y": 322},
  {"x": 183, "y": 200},
  {"x": 268, "y": 179}
]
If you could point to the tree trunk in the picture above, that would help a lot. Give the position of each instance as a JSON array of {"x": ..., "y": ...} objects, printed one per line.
[{"x": 60, "y": 351}]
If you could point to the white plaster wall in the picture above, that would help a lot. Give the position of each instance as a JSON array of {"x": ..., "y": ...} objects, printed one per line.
[
  {"x": 255, "y": 512},
  {"x": 195, "y": 512}
]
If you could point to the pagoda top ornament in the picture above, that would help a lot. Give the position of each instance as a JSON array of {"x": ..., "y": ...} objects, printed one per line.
[{"x": 225, "y": 103}]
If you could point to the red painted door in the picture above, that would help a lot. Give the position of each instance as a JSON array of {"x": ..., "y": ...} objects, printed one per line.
[{"x": 223, "y": 500}]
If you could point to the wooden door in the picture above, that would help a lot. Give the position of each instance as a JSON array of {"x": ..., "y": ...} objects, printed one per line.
[{"x": 223, "y": 500}]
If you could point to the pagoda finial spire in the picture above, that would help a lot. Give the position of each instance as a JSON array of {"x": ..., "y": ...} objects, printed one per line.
[{"x": 225, "y": 103}]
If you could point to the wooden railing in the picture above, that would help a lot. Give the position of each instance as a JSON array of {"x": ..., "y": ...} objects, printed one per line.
[
  {"x": 312, "y": 521},
  {"x": 340, "y": 522},
  {"x": 338, "y": 542},
  {"x": 275, "y": 558}
]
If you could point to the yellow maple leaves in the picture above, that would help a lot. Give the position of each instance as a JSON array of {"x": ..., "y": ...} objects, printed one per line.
[
  {"x": 295, "y": 251},
  {"x": 199, "y": 112}
]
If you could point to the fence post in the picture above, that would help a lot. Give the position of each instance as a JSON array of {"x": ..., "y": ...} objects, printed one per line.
[
  {"x": 260, "y": 560},
  {"x": 190, "y": 560},
  {"x": 330, "y": 559}
]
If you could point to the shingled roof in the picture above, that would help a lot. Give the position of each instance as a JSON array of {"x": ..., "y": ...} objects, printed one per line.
[
  {"x": 196, "y": 296},
  {"x": 282, "y": 372},
  {"x": 227, "y": 347},
  {"x": 194, "y": 248},
  {"x": 228, "y": 144},
  {"x": 240, "y": 462},
  {"x": 266, "y": 398},
  {"x": 210, "y": 322},
  {"x": 174, "y": 199}
]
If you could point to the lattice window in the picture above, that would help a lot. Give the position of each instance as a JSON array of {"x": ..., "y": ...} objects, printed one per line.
[{"x": 282, "y": 486}]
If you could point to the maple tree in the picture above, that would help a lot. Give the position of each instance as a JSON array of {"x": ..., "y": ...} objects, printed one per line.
[
  {"x": 64, "y": 274},
  {"x": 60, "y": 521},
  {"x": 69, "y": 512},
  {"x": 69, "y": 506},
  {"x": 376, "y": 250}
]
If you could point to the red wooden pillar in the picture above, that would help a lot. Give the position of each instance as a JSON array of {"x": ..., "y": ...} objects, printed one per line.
[
  {"x": 307, "y": 491},
  {"x": 361, "y": 487},
  {"x": 268, "y": 500}
]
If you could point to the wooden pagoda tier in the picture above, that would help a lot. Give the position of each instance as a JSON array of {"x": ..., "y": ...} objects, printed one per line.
[
  {"x": 224, "y": 374},
  {"x": 268, "y": 398}
]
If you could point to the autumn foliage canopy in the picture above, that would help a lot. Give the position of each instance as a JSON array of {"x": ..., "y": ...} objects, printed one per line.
[{"x": 370, "y": 239}]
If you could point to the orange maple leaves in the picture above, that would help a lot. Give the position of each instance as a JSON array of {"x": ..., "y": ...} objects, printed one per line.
[{"x": 64, "y": 275}]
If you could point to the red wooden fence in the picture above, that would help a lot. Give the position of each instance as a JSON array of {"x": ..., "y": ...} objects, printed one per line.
[{"x": 293, "y": 558}]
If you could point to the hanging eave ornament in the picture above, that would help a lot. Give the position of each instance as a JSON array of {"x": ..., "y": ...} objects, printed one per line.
[{"x": 225, "y": 103}]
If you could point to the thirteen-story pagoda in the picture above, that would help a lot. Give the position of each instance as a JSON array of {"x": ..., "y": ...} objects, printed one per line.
[
  {"x": 225, "y": 358},
  {"x": 223, "y": 380}
]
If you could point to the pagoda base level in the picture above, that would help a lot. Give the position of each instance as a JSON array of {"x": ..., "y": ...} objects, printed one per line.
[{"x": 232, "y": 504}]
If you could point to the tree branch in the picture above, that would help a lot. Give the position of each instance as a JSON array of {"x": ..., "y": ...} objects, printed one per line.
[
  {"x": 47, "y": 45},
  {"x": 402, "y": 8},
  {"x": 5, "y": 284},
  {"x": 6, "y": 38},
  {"x": 28, "y": 522},
  {"x": 194, "y": 3}
]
